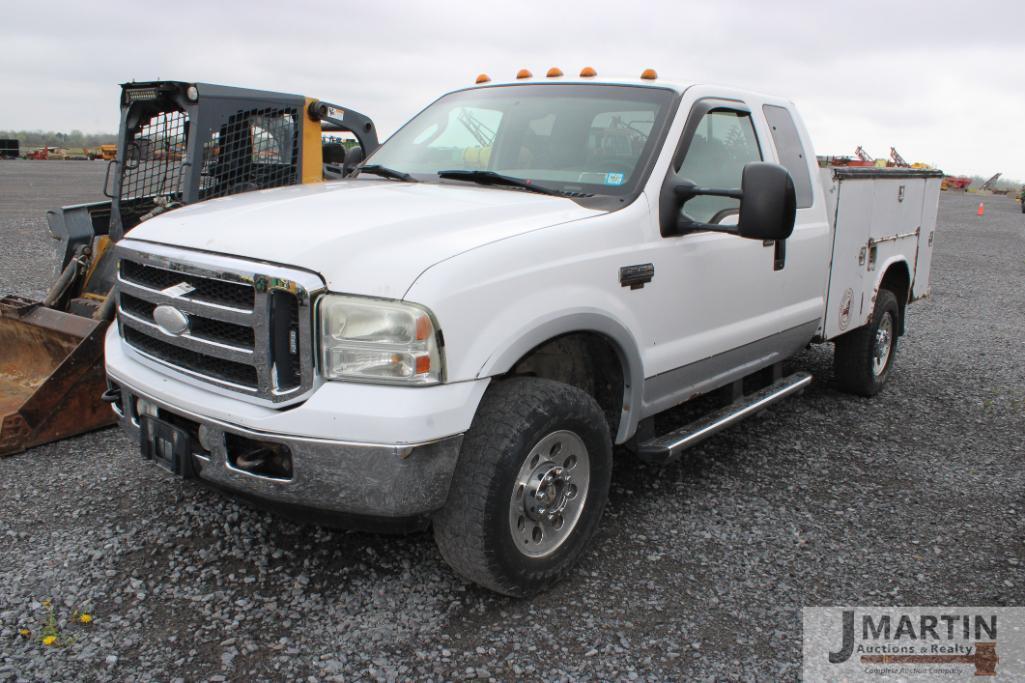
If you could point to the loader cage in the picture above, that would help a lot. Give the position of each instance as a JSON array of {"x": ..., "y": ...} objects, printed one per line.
[{"x": 187, "y": 143}]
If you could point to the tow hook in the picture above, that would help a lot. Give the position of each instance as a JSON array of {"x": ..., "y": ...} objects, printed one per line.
[{"x": 111, "y": 395}]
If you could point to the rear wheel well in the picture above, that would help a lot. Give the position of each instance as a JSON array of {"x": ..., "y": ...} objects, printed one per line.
[
  {"x": 897, "y": 279},
  {"x": 587, "y": 360}
]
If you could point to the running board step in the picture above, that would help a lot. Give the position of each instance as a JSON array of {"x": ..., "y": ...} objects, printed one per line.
[{"x": 669, "y": 447}]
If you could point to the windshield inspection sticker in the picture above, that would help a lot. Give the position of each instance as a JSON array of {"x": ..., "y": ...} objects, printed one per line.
[{"x": 614, "y": 178}]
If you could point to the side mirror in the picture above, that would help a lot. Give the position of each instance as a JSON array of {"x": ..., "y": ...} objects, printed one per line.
[{"x": 768, "y": 204}]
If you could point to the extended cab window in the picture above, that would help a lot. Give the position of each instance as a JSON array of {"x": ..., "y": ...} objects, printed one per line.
[
  {"x": 596, "y": 139},
  {"x": 790, "y": 151},
  {"x": 723, "y": 143}
]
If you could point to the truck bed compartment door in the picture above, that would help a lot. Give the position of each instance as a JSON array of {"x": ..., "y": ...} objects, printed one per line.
[
  {"x": 923, "y": 259},
  {"x": 851, "y": 204},
  {"x": 896, "y": 226}
]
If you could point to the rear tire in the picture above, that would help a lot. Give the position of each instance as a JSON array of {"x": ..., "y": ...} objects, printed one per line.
[
  {"x": 530, "y": 487},
  {"x": 862, "y": 359}
]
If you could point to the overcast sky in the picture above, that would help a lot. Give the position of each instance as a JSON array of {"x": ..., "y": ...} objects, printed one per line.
[{"x": 941, "y": 81}]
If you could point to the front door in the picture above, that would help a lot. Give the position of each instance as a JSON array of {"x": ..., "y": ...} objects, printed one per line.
[{"x": 720, "y": 294}]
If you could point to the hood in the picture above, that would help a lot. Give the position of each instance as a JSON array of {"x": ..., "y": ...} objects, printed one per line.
[{"x": 364, "y": 236}]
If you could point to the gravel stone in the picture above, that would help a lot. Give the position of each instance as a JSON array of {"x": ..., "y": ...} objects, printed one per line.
[{"x": 698, "y": 571}]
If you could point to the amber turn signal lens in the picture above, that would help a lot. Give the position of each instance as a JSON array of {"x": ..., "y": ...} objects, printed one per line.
[
  {"x": 423, "y": 327},
  {"x": 524, "y": 73},
  {"x": 649, "y": 74},
  {"x": 588, "y": 72},
  {"x": 554, "y": 72},
  {"x": 483, "y": 78}
]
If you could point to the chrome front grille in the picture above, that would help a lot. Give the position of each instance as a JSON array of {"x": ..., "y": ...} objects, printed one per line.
[
  {"x": 248, "y": 325},
  {"x": 210, "y": 290}
]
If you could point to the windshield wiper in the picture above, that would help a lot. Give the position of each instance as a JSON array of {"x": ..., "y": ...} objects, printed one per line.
[
  {"x": 385, "y": 172},
  {"x": 492, "y": 178}
]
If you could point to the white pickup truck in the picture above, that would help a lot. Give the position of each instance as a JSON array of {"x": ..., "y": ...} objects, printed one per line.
[{"x": 518, "y": 280}]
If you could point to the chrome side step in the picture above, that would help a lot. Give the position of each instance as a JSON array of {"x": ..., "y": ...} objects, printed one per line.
[{"x": 669, "y": 447}]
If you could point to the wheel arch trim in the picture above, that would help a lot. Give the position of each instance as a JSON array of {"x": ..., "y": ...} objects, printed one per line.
[
  {"x": 897, "y": 261},
  {"x": 586, "y": 321}
]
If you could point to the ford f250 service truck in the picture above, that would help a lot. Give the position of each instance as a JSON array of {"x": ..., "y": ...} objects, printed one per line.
[{"x": 458, "y": 332}]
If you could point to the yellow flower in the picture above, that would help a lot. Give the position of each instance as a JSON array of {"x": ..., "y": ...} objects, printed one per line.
[
  {"x": 49, "y": 640},
  {"x": 24, "y": 632},
  {"x": 85, "y": 618},
  {"x": 46, "y": 603}
]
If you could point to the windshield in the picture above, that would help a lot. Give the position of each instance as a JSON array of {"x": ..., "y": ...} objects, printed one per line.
[{"x": 594, "y": 139}]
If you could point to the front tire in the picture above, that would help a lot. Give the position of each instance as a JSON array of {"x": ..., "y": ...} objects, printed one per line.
[
  {"x": 530, "y": 487},
  {"x": 862, "y": 359}
]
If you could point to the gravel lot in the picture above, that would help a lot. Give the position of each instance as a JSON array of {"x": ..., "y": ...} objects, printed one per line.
[{"x": 699, "y": 572}]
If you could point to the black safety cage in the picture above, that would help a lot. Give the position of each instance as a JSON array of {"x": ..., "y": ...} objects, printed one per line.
[{"x": 181, "y": 143}]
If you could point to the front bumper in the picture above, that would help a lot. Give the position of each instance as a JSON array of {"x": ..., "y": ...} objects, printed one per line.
[
  {"x": 355, "y": 479},
  {"x": 337, "y": 411}
]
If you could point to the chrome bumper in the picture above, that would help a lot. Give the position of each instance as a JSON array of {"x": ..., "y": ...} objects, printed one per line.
[{"x": 370, "y": 480}]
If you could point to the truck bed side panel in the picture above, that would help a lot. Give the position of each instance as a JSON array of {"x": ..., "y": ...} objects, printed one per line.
[{"x": 879, "y": 217}]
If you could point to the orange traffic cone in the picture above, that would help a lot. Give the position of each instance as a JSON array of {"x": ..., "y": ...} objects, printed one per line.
[{"x": 982, "y": 209}]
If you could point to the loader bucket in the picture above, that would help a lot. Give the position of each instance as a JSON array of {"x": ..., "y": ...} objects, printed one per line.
[{"x": 51, "y": 375}]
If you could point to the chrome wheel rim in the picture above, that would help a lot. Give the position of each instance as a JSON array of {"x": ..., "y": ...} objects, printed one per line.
[
  {"x": 883, "y": 344},
  {"x": 549, "y": 493}
]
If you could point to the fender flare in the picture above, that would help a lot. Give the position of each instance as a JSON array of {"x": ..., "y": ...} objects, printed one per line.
[{"x": 557, "y": 325}]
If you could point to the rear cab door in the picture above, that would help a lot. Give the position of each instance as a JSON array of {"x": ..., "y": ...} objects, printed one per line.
[{"x": 805, "y": 254}]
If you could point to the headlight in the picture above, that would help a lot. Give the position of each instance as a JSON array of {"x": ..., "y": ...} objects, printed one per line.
[{"x": 377, "y": 341}]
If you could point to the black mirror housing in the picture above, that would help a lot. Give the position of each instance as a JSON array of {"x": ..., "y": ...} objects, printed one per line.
[{"x": 768, "y": 205}]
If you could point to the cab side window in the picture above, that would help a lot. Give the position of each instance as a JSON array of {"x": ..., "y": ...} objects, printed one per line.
[
  {"x": 723, "y": 143},
  {"x": 791, "y": 152}
]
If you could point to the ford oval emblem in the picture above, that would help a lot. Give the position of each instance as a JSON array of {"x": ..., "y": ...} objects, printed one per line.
[{"x": 171, "y": 320}]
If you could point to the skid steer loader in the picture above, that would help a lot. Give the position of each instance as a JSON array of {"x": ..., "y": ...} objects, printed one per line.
[{"x": 179, "y": 143}]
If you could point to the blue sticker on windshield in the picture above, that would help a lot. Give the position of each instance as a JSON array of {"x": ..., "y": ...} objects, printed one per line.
[{"x": 614, "y": 178}]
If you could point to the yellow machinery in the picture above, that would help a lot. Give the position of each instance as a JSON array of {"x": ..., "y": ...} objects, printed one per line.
[{"x": 179, "y": 143}]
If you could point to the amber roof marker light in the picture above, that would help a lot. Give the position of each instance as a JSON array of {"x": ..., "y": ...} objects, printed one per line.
[
  {"x": 524, "y": 73},
  {"x": 483, "y": 78},
  {"x": 554, "y": 72},
  {"x": 649, "y": 74},
  {"x": 588, "y": 72}
]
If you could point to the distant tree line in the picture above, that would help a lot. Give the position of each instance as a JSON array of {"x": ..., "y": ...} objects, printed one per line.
[{"x": 76, "y": 138}]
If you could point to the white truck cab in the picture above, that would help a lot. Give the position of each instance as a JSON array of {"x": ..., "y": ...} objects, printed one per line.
[{"x": 522, "y": 277}]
